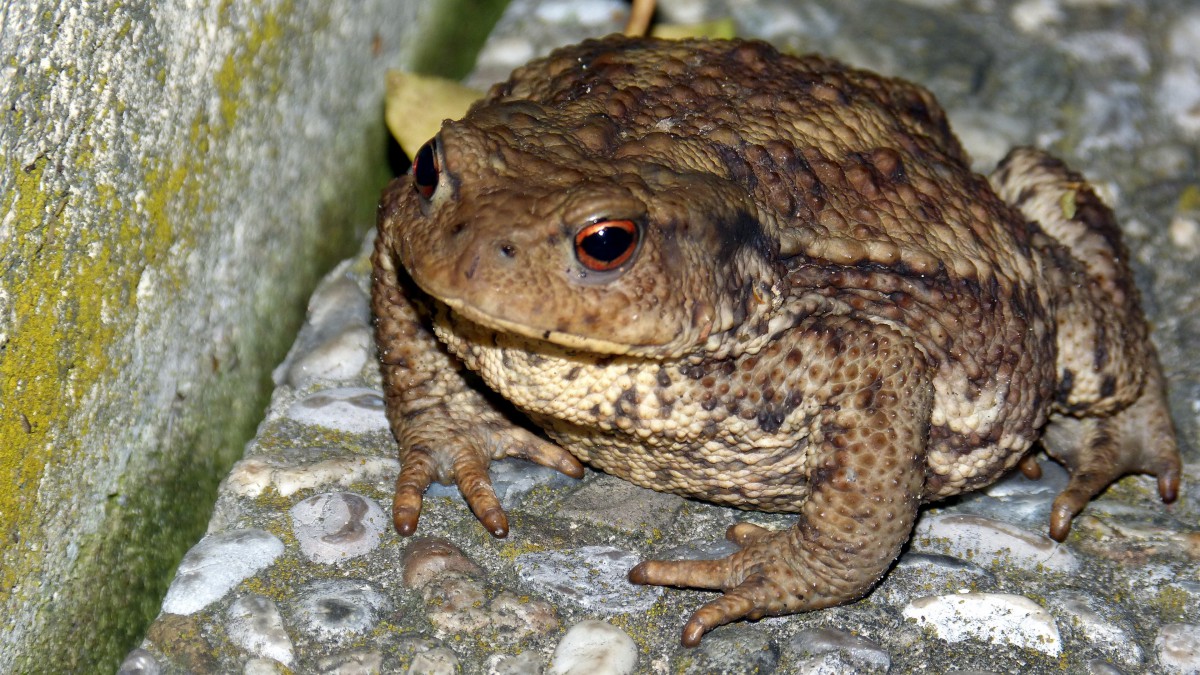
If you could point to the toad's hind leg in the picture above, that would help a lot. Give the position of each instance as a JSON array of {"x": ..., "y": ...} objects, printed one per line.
[
  {"x": 1099, "y": 450},
  {"x": 1114, "y": 417},
  {"x": 866, "y": 475}
]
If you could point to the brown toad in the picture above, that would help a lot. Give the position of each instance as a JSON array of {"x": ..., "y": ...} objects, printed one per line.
[{"x": 762, "y": 281}]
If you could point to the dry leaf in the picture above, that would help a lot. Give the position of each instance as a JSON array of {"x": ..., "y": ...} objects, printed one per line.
[
  {"x": 416, "y": 105},
  {"x": 719, "y": 28}
]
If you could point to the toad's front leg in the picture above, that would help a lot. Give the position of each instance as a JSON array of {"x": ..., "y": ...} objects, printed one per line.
[
  {"x": 447, "y": 430},
  {"x": 866, "y": 473}
]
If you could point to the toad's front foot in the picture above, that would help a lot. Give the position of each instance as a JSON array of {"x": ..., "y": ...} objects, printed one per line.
[{"x": 459, "y": 452}]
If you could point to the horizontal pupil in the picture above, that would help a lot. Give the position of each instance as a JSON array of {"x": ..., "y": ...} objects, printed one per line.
[{"x": 608, "y": 243}]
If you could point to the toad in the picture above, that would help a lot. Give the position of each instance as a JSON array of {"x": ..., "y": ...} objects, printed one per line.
[{"x": 762, "y": 281}]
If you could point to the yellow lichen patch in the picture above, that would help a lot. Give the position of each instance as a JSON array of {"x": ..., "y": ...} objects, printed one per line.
[
  {"x": 250, "y": 58},
  {"x": 52, "y": 348}
]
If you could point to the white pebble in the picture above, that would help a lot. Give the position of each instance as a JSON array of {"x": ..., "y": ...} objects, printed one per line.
[
  {"x": 139, "y": 662},
  {"x": 998, "y": 618},
  {"x": 337, "y": 609},
  {"x": 251, "y": 477},
  {"x": 585, "y": 12},
  {"x": 1185, "y": 234},
  {"x": 594, "y": 648},
  {"x": 352, "y": 409},
  {"x": 254, "y": 624},
  {"x": 337, "y": 526},
  {"x": 1179, "y": 91},
  {"x": 263, "y": 667},
  {"x": 341, "y": 357},
  {"x": 215, "y": 565},
  {"x": 987, "y": 541},
  {"x": 356, "y": 662},
  {"x": 437, "y": 661},
  {"x": 1178, "y": 646},
  {"x": 510, "y": 51},
  {"x": 525, "y": 663},
  {"x": 1035, "y": 15},
  {"x": 338, "y": 301}
]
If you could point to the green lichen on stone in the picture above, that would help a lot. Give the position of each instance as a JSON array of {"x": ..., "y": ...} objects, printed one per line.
[{"x": 1171, "y": 603}]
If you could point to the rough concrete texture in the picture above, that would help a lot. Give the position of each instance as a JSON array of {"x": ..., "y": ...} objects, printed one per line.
[
  {"x": 173, "y": 178},
  {"x": 1111, "y": 86}
]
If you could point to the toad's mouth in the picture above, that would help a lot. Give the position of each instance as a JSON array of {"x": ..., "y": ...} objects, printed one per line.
[{"x": 461, "y": 311}]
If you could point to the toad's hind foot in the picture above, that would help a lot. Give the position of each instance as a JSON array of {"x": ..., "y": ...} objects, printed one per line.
[
  {"x": 1099, "y": 450},
  {"x": 775, "y": 573},
  {"x": 757, "y": 582}
]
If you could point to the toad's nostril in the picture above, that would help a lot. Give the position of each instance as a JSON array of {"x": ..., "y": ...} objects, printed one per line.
[
  {"x": 470, "y": 271},
  {"x": 508, "y": 250}
]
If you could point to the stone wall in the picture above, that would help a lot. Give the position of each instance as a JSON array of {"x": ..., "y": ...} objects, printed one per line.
[{"x": 174, "y": 176}]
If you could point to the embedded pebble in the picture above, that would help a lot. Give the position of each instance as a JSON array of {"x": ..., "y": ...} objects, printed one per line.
[
  {"x": 1035, "y": 16},
  {"x": 341, "y": 357},
  {"x": 828, "y": 647},
  {"x": 586, "y": 12},
  {"x": 356, "y": 662},
  {"x": 351, "y": 409},
  {"x": 264, "y": 667},
  {"x": 512, "y": 479},
  {"x": 609, "y": 501},
  {"x": 427, "y": 558},
  {"x": 456, "y": 598},
  {"x": 1086, "y": 616},
  {"x": 456, "y": 604},
  {"x": 337, "y": 526},
  {"x": 992, "y": 542},
  {"x": 733, "y": 650},
  {"x": 338, "y": 301},
  {"x": 437, "y": 661},
  {"x": 594, "y": 578},
  {"x": 510, "y": 52},
  {"x": 139, "y": 662},
  {"x": 254, "y": 624},
  {"x": 1179, "y": 91},
  {"x": 1125, "y": 532},
  {"x": 517, "y": 617},
  {"x": 338, "y": 609},
  {"x": 990, "y": 617},
  {"x": 251, "y": 477},
  {"x": 1102, "y": 667},
  {"x": 525, "y": 663},
  {"x": 1178, "y": 646},
  {"x": 338, "y": 306},
  {"x": 217, "y": 564},
  {"x": 594, "y": 648},
  {"x": 1018, "y": 500},
  {"x": 920, "y": 574}
]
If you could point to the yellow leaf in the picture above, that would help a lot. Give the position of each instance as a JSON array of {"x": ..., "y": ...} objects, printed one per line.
[
  {"x": 718, "y": 28},
  {"x": 416, "y": 105}
]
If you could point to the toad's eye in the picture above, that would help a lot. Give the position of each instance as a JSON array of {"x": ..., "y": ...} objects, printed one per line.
[
  {"x": 426, "y": 168},
  {"x": 605, "y": 245}
]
